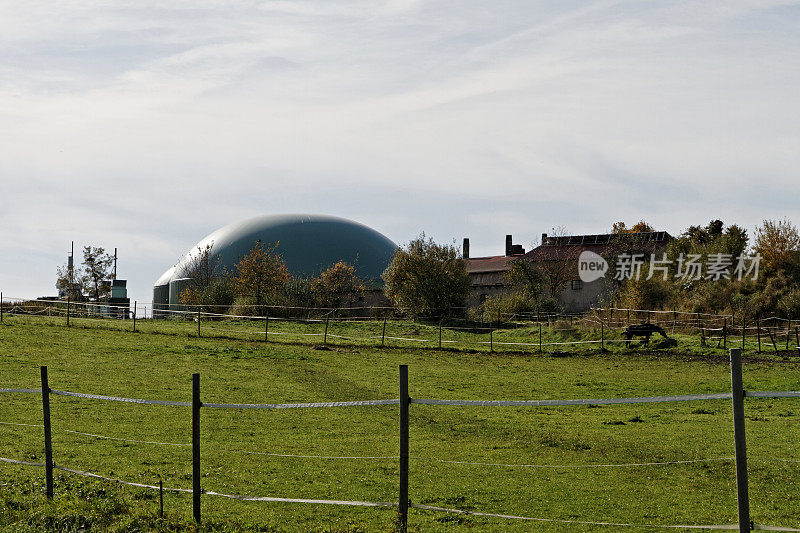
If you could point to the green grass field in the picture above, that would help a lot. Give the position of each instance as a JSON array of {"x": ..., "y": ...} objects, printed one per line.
[{"x": 86, "y": 358}]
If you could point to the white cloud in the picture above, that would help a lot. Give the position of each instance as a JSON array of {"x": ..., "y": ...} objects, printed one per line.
[{"x": 147, "y": 125}]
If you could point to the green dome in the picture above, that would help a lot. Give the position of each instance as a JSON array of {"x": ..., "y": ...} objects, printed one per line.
[{"x": 308, "y": 243}]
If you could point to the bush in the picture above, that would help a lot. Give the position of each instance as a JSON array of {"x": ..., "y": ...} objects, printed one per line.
[{"x": 426, "y": 278}]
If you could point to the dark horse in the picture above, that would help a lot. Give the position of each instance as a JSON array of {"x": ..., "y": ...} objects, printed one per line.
[{"x": 642, "y": 330}]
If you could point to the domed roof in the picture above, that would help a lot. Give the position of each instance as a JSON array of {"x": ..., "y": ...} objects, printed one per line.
[{"x": 308, "y": 243}]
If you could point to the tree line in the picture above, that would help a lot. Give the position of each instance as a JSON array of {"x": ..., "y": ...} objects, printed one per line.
[{"x": 429, "y": 279}]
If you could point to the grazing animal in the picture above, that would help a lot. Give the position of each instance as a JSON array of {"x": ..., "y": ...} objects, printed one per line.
[{"x": 642, "y": 330}]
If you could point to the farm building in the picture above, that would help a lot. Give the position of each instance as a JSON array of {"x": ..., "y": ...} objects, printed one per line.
[
  {"x": 558, "y": 255},
  {"x": 308, "y": 244}
]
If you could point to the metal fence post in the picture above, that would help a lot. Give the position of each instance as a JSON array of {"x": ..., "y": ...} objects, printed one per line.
[
  {"x": 67, "y": 309},
  {"x": 325, "y": 336},
  {"x": 404, "y": 403},
  {"x": 198, "y": 322},
  {"x": 1, "y": 307},
  {"x": 134, "y": 316},
  {"x": 737, "y": 392},
  {"x": 266, "y": 325},
  {"x": 440, "y": 334},
  {"x": 383, "y": 334},
  {"x": 48, "y": 443},
  {"x": 196, "y": 447}
]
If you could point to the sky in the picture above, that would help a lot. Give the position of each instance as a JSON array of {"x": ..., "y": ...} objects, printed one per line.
[{"x": 147, "y": 125}]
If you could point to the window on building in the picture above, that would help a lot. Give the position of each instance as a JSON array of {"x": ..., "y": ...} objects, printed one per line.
[{"x": 577, "y": 284}]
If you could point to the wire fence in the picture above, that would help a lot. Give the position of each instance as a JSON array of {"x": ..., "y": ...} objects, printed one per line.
[
  {"x": 404, "y": 403},
  {"x": 598, "y": 329}
]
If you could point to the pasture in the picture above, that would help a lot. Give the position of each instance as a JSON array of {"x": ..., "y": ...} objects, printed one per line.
[{"x": 569, "y": 460}]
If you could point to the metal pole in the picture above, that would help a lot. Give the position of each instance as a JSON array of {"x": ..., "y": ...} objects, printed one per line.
[
  {"x": 383, "y": 335},
  {"x": 134, "y": 316},
  {"x": 1, "y": 307},
  {"x": 196, "y": 447},
  {"x": 48, "y": 443},
  {"x": 440, "y": 334},
  {"x": 491, "y": 341},
  {"x": 161, "y": 499},
  {"x": 404, "y": 403},
  {"x": 67, "y": 309},
  {"x": 740, "y": 444},
  {"x": 266, "y": 326},
  {"x": 325, "y": 337}
]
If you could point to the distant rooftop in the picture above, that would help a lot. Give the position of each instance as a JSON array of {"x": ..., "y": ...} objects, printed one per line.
[{"x": 605, "y": 238}]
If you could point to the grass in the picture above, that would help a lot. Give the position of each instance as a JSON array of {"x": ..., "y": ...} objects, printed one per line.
[{"x": 146, "y": 365}]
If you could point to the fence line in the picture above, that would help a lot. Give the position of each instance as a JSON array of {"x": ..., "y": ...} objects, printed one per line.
[
  {"x": 737, "y": 395},
  {"x": 772, "y": 333}
]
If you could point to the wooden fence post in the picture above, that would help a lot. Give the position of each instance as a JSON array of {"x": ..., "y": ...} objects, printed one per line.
[
  {"x": 737, "y": 392},
  {"x": 725, "y": 334},
  {"x": 48, "y": 443},
  {"x": 788, "y": 332},
  {"x": 404, "y": 403},
  {"x": 758, "y": 333},
  {"x": 196, "y": 447},
  {"x": 744, "y": 331},
  {"x": 773, "y": 341},
  {"x": 602, "y": 337},
  {"x": 540, "y": 337}
]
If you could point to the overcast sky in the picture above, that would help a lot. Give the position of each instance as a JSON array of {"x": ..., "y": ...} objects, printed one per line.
[{"x": 147, "y": 125}]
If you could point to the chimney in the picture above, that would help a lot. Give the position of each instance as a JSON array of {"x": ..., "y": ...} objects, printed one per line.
[
  {"x": 508, "y": 245},
  {"x": 465, "y": 249},
  {"x": 544, "y": 238}
]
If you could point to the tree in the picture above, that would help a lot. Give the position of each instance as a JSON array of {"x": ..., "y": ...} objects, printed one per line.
[
  {"x": 68, "y": 283},
  {"x": 427, "y": 278},
  {"x": 777, "y": 242},
  {"x": 96, "y": 271},
  {"x": 639, "y": 227},
  {"x": 260, "y": 273},
  {"x": 558, "y": 263},
  {"x": 337, "y": 283},
  {"x": 202, "y": 268}
]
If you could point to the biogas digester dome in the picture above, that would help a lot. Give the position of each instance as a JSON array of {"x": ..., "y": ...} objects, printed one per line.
[{"x": 308, "y": 243}]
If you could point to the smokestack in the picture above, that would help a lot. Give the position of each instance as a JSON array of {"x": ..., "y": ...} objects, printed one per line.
[
  {"x": 508, "y": 244},
  {"x": 465, "y": 249},
  {"x": 544, "y": 238}
]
